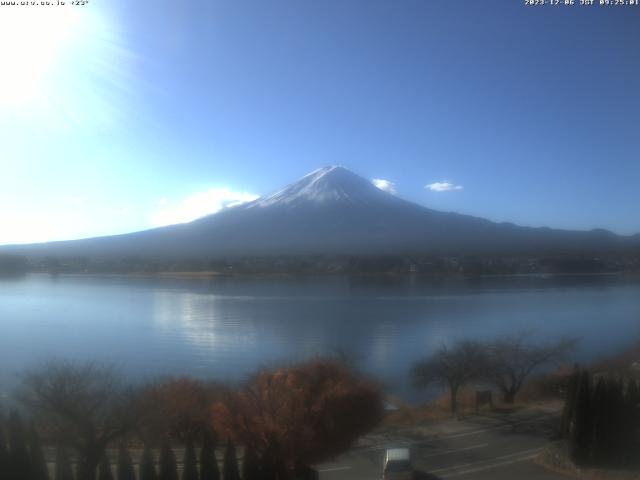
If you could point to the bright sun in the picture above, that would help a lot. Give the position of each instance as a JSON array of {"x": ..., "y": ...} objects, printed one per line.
[{"x": 31, "y": 40}]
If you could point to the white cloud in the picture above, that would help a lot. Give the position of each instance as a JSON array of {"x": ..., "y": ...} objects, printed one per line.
[
  {"x": 385, "y": 185},
  {"x": 198, "y": 205},
  {"x": 443, "y": 187}
]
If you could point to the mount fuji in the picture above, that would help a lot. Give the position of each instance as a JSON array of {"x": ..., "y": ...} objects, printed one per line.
[{"x": 334, "y": 211}]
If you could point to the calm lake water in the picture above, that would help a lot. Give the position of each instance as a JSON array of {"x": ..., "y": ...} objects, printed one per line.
[{"x": 226, "y": 328}]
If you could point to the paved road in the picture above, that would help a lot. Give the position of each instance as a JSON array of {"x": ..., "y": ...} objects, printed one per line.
[{"x": 476, "y": 448}]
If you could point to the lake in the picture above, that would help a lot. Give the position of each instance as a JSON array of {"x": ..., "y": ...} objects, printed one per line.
[{"x": 226, "y": 328}]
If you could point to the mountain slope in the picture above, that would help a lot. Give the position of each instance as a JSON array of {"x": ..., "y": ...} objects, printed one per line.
[{"x": 334, "y": 211}]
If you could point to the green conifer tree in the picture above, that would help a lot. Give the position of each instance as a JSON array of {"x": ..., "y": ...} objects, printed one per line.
[
  {"x": 63, "y": 465},
  {"x": 39, "y": 469},
  {"x": 230, "y": 467},
  {"x": 250, "y": 465},
  {"x": 148, "y": 465},
  {"x": 267, "y": 469},
  {"x": 124, "y": 470},
  {"x": 104, "y": 469},
  {"x": 19, "y": 460},
  {"x": 4, "y": 455},
  {"x": 190, "y": 462},
  {"x": 617, "y": 420},
  {"x": 569, "y": 404},
  {"x": 632, "y": 402},
  {"x": 600, "y": 440},
  {"x": 581, "y": 431},
  {"x": 168, "y": 469},
  {"x": 209, "y": 469},
  {"x": 633, "y": 408}
]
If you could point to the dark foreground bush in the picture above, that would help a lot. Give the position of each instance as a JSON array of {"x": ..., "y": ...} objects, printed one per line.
[{"x": 601, "y": 420}]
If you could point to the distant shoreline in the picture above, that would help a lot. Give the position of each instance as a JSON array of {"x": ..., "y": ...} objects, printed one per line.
[{"x": 208, "y": 275}]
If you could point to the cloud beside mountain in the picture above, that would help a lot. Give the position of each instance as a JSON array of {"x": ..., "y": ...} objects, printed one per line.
[
  {"x": 384, "y": 185},
  {"x": 199, "y": 205},
  {"x": 443, "y": 187}
]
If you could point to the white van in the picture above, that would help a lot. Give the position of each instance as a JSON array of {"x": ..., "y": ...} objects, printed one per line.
[{"x": 397, "y": 464}]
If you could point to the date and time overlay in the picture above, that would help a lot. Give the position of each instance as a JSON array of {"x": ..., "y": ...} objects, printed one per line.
[{"x": 527, "y": 3}]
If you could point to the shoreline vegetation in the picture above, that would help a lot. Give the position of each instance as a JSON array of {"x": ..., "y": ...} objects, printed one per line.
[
  {"x": 210, "y": 275},
  {"x": 300, "y": 265},
  {"x": 215, "y": 274}
]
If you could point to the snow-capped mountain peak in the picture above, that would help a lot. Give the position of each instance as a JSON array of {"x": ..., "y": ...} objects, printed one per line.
[{"x": 327, "y": 185}]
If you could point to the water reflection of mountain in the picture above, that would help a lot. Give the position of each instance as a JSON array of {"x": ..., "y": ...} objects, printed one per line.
[{"x": 227, "y": 328}]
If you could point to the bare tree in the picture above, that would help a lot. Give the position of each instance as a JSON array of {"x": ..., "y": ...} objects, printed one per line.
[
  {"x": 84, "y": 406},
  {"x": 452, "y": 367},
  {"x": 513, "y": 358},
  {"x": 179, "y": 408}
]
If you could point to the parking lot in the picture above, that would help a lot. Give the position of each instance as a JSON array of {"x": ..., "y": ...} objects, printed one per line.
[{"x": 479, "y": 447}]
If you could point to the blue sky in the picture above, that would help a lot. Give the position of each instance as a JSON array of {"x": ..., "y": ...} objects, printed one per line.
[{"x": 119, "y": 116}]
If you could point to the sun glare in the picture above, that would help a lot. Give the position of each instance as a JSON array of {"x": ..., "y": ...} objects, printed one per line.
[
  {"x": 63, "y": 67},
  {"x": 31, "y": 40}
]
